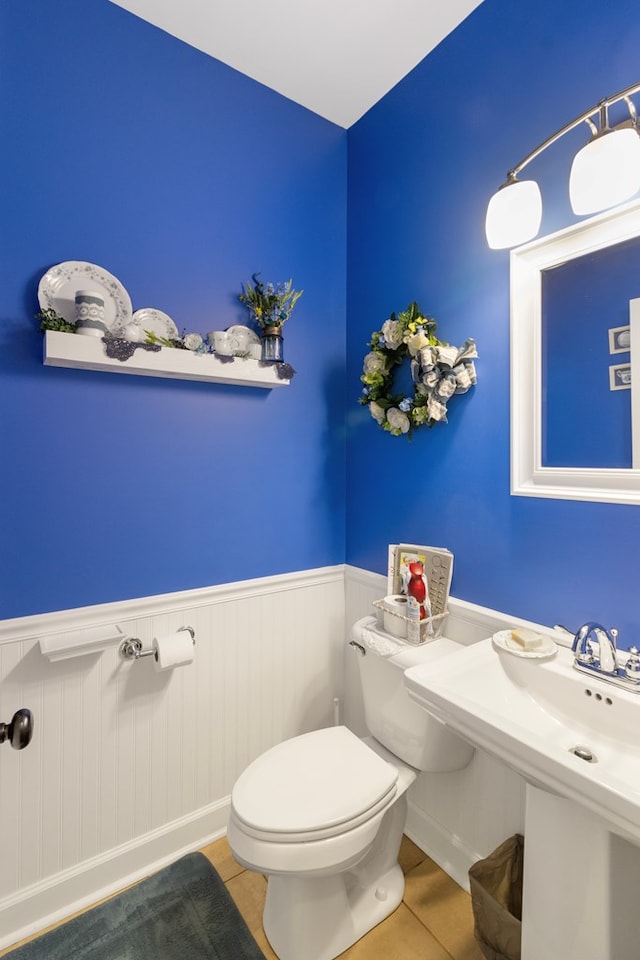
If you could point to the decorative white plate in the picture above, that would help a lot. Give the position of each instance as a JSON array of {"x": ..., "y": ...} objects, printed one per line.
[
  {"x": 504, "y": 641},
  {"x": 57, "y": 291},
  {"x": 157, "y": 322},
  {"x": 239, "y": 338}
]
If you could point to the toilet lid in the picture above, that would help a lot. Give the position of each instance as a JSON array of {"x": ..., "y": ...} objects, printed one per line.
[{"x": 313, "y": 784}]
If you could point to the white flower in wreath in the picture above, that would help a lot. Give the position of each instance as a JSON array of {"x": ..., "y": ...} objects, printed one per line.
[
  {"x": 375, "y": 363},
  {"x": 392, "y": 332},
  {"x": 417, "y": 342},
  {"x": 398, "y": 420},
  {"x": 192, "y": 341},
  {"x": 376, "y": 411}
]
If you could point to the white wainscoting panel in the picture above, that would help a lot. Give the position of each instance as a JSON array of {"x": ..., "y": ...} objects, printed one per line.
[
  {"x": 458, "y": 817},
  {"x": 129, "y": 767}
]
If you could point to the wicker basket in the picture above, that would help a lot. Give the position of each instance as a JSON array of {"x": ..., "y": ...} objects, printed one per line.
[
  {"x": 417, "y": 631},
  {"x": 438, "y": 568}
]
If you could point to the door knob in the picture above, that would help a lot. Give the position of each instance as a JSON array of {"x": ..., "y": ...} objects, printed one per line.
[{"x": 19, "y": 730}]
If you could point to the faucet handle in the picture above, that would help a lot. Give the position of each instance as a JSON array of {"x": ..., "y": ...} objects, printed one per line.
[{"x": 632, "y": 666}]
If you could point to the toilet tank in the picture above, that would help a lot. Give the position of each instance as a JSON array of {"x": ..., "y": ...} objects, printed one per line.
[{"x": 395, "y": 721}]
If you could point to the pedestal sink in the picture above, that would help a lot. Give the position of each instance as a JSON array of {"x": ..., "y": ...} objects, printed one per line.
[{"x": 576, "y": 741}]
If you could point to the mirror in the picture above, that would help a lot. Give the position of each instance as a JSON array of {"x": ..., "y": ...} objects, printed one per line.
[{"x": 575, "y": 325}]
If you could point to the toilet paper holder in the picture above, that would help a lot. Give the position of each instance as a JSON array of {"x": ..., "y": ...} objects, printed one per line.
[{"x": 131, "y": 648}]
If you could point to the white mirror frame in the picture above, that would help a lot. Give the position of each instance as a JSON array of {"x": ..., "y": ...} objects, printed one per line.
[{"x": 528, "y": 477}]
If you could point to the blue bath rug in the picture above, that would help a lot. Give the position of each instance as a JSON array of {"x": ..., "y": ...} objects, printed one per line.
[{"x": 181, "y": 913}]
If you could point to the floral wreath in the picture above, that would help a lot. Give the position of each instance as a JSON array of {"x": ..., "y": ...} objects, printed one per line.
[{"x": 438, "y": 371}]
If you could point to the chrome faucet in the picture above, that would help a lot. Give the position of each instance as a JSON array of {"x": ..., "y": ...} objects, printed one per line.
[
  {"x": 595, "y": 650},
  {"x": 595, "y": 647}
]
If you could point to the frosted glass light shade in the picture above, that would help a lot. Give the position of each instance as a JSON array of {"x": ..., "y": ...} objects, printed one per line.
[
  {"x": 606, "y": 171},
  {"x": 514, "y": 214}
]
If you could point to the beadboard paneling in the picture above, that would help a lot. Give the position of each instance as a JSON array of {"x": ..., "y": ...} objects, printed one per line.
[
  {"x": 129, "y": 765},
  {"x": 129, "y": 768}
]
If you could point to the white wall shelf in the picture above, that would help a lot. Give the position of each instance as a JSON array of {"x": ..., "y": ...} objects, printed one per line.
[
  {"x": 88, "y": 353},
  {"x": 78, "y": 643}
]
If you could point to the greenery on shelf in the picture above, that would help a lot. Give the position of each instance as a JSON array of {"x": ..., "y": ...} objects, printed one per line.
[
  {"x": 50, "y": 320},
  {"x": 176, "y": 343}
]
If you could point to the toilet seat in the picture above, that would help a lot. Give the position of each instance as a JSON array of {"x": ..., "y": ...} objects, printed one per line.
[{"x": 314, "y": 786}]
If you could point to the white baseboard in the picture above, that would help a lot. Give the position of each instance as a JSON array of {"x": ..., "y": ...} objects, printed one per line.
[
  {"x": 35, "y": 908},
  {"x": 446, "y": 849}
]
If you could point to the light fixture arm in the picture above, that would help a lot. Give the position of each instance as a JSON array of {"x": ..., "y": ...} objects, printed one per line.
[
  {"x": 604, "y": 173},
  {"x": 601, "y": 108},
  {"x": 632, "y": 109}
]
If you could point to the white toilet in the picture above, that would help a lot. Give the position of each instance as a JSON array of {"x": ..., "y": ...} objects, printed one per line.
[{"x": 322, "y": 815}]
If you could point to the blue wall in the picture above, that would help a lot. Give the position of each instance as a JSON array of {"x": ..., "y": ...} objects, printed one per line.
[
  {"x": 422, "y": 166},
  {"x": 127, "y": 148}
]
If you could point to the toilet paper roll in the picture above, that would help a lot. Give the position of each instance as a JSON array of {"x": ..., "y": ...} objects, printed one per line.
[
  {"x": 173, "y": 650},
  {"x": 395, "y": 612}
]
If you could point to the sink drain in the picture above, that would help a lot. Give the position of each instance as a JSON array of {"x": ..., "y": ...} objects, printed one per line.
[{"x": 584, "y": 753}]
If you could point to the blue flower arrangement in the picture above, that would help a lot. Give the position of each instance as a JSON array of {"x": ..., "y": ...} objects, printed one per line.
[{"x": 270, "y": 304}]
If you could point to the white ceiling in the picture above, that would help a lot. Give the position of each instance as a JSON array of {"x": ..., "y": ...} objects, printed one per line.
[{"x": 335, "y": 57}]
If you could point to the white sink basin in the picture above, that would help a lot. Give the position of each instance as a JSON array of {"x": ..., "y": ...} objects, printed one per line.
[{"x": 531, "y": 713}]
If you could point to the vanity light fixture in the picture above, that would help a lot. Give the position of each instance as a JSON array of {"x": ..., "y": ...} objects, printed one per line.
[{"x": 604, "y": 173}]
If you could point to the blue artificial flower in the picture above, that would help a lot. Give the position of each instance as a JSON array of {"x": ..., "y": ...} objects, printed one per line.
[{"x": 405, "y": 405}]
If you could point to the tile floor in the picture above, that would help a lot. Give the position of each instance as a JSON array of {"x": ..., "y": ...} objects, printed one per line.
[{"x": 434, "y": 921}]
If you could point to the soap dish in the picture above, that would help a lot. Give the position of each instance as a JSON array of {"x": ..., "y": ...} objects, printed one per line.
[{"x": 504, "y": 641}]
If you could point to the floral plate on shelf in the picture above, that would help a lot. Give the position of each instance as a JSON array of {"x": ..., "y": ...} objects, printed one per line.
[
  {"x": 148, "y": 318},
  {"x": 57, "y": 290},
  {"x": 240, "y": 338}
]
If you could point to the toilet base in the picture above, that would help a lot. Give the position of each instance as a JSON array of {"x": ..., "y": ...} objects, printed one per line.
[{"x": 319, "y": 918}]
